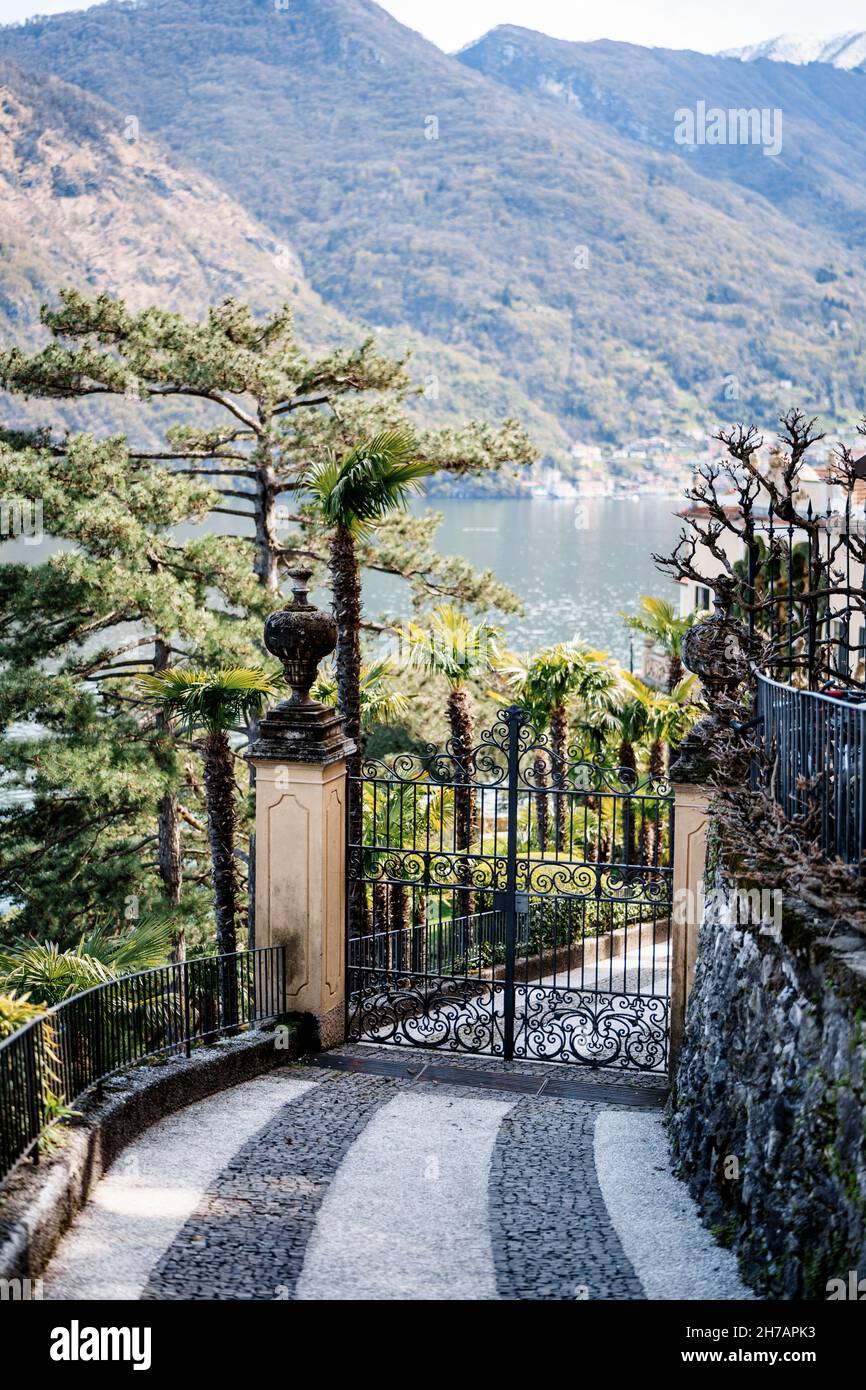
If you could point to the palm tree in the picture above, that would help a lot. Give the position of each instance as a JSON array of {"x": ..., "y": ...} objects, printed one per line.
[
  {"x": 631, "y": 723},
  {"x": 594, "y": 709},
  {"x": 449, "y": 644},
  {"x": 211, "y": 704},
  {"x": 50, "y": 975},
  {"x": 668, "y": 719},
  {"x": 380, "y": 701},
  {"x": 545, "y": 684},
  {"x": 375, "y": 478},
  {"x": 658, "y": 620},
  {"x": 632, "y": 720}
]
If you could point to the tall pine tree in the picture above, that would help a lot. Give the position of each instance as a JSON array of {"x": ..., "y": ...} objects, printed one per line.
[
  {"x": 265, "y": 413},
  {"x": 95, "y": 789},
  {"x": 103, "y": 811}
]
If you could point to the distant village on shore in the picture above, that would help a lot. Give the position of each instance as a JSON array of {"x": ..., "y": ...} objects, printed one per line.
[{"x": 656, "y": 466}]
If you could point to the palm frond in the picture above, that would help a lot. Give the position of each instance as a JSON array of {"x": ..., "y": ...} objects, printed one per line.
[
  {"x": 214, "y": 701},
  {"x": 49, "y": 974},
  {"x": 451, "y": 645},
  {"x": 417, "y": 808},
  {"x": 381, "y": 702},
  {"x": 143, "y": 945},
  {"x": 555, "y": 674},
  {"x": 631, "y": 720},
  {"x": 375, "y": 478},
  {"x": 657, "y": 619},
  {"x": 16, "y": 1010},
  {"x": 668, "y": 717}
]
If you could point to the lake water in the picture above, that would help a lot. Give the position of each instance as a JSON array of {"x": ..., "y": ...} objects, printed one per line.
[
  {"x": 573, "y": 579},
  {"x": 574, "y": 567}
]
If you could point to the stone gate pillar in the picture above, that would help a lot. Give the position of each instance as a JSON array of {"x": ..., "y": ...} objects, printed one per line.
[
  {"x": 691, "y": 821},
  {"x": 719, "y": 651},
  {"x": 301, "y": 786}
]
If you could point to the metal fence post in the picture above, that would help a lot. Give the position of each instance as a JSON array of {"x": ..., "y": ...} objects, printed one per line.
[
  {"x": 98, "y": 1051},
  {"x": 514, "y": 719},
  {"x": 33, "y": 1083},
  {"x": 186, "y": 1014}
]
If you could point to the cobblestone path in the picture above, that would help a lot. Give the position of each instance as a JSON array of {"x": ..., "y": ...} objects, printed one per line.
[{"x": 449, "y": 1178}]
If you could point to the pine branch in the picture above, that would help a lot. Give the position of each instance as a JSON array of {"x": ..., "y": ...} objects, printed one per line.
[
  {"x": 216, "y": 472},
  {"x": 187, "y": 815},
  {"x": 216, "y": 396},
  {"x": 289, "y": 406},
  {"x": 198, "y": 454}
]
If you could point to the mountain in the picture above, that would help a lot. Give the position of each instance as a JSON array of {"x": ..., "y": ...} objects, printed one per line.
[
  {"x": 85, "y": 198},
  {"x": 843, "y": 50},
  {"x": 85, "y": 201},
  {"x": 521, "y": 212},
  {"x": 805, "y": 204},
  {"x": 818, "y": 173}
]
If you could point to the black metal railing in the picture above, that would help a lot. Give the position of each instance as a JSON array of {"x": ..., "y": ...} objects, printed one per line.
[
  {"x": 50, "y": 1063},
  {"x": 815, "y": 745},
  {"x": 801, "y": 591}
]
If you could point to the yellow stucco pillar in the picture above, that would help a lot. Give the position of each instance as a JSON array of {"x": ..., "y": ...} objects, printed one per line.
[
  {"x": 691, "y": 821},
  {"x": 300, "y": 761}
]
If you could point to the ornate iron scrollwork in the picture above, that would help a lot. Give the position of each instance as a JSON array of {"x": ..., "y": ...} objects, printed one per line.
[
  {"x": 510, "y": 905},
  {"x": 457, "y": 1016},
  {"x": 621, "y": 1031}
]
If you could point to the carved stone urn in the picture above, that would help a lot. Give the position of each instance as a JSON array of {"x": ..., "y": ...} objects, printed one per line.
[
  {"x": 299, "y": 636},
  {"x": 300, "y": 729},
  {"x": 720, "y": 652}
]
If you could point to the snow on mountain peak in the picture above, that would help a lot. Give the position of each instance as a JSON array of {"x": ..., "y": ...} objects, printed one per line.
[{"x": 842, "y": 50}]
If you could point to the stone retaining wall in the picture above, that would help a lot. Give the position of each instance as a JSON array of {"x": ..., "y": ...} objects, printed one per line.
[{"x": 769, "y": 1108}]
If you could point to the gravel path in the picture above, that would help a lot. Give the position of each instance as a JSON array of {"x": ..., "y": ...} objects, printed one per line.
[
  {"x": 656, "y": 1220},
  {"x": 552, "y": 1236},
  {"x": 248, "y": 1235},
  {"x": 140, "y": 1206},
  {"x": 406, "y": 1216},
  {"x": 426, "y": 1183}
]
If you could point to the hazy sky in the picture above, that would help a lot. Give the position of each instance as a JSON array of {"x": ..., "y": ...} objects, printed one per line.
[{"x": 664, "y": 23}]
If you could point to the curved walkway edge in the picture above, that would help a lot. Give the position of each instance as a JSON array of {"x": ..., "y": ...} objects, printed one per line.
[
  {"x": 671, "y": 1251},
  {"x": 142, "y": 1203}
]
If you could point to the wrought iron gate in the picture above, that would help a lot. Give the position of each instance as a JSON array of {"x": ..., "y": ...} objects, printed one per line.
[{"x": 512, "y": 903}]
